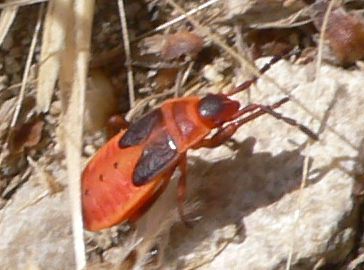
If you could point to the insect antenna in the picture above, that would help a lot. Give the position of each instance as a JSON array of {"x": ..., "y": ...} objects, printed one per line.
[
  {"x": 245, "y": 85},
  {"x": 262, "y": 109},
  {"x": 259, "y": 109}
]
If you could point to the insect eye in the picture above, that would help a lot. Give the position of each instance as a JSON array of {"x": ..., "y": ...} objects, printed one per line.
[{"x": 211, "y": 106}]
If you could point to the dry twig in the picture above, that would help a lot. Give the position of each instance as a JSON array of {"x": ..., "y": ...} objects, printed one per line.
[
  {"x": 321, "y": 42},
  {"x": 74, "y": 68},
  {"x": 6, "y": 19},
  {"x": 52, "y": 46},
  {"x": 18, "y": 3},
  {"x": 126, "y": 41},
  {"x": 177, "y": 19},
  {"x": 27, "y": 67}
]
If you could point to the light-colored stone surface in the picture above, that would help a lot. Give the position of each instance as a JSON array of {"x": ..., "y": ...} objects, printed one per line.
[
  {"x": 36, "y": 232},
  {"x": 253, "y": 13},
  {"x": 255, "y": 182}
]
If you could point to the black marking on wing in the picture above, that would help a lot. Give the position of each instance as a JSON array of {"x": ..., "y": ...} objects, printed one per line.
[
  {"x": 141, "y": 129},
  {"x": 157, "y": 156}
]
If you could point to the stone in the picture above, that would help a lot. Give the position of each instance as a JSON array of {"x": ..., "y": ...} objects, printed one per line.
[
  {"x": 253, "y": 182},
  {"x": 35, "y": 229}
]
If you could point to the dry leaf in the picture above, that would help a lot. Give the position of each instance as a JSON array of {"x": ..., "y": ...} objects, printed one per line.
[
  {"x": 272, "y": 41},
  {"x": 166, "y": 78},
  {"x": 26, "y": 135},
  {"x": 181, "y": 43},
  {"x": 12, "y": 165},
  {"x": 344, "y": 33}
]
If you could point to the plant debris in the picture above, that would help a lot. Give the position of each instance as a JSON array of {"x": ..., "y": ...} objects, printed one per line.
[
  {"x": 26, "y": 135},
  {"x": 344, "y": 32},
  {"x": 181, "y": 43}
]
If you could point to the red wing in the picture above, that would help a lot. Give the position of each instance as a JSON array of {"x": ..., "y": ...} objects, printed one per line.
[{"x": 108, "y": 195}]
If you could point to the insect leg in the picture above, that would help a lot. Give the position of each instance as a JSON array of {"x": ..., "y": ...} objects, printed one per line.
[
  {"x": 116, "y": 123},
  {"x": 150, "y": 201},
  {"x": 181, "y": 190},
  {"x": 220, "y": 137}
]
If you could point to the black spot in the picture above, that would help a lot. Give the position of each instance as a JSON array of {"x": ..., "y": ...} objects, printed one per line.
[
  {"x": 116, "y": 165},
  {"x": 157, "y": 156},
  {"x": 101, "y": 178},
  {"x": 211, "y": 106},
  {"x": 86, "y": 192},
  {"x": 141, "y": 129}
]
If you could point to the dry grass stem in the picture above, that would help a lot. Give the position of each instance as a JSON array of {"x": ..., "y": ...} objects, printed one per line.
[
  {"x": 74, "y": 85},
  {"x": 27, "y": 66},
  {"x": 307, "y": 157},
  {"x": 52, "y": 46},
  {"x": 6, "y": 19},
  {"x": 144, "y": 102},
  {"x": 177, "y": 19},
  {"x": 305, "y": 169},
  {"x": 19, "y": 3},
  {"x": 321, "y": 42},
  {"x": 126, "y": 42},
  {"x": 178, "y": 84},
  {"x": 187, "y": 73}
]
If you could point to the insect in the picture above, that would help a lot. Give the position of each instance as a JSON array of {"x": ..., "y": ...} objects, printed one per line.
[{"x": 131, "y": 171}]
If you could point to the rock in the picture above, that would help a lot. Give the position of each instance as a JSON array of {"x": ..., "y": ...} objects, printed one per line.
[
  {"x": 211, "y": 74},
  {"x": 321, "y": 230},
  {"x": 56, "y": 108},
  {"x": 264, "y": 14},
  {"x": 89, "y": 150},
  {"x": 254, "y": 184},
  {"x": 36, "y": 230},
  {"x": 113, "y": 255}
]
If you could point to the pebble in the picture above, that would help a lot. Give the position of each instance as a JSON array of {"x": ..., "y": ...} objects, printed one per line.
[
  {"x": 113, "y": 255},
  {"x": 211, "y": 74},
  {"x": 56, "y": 108},
  {"x": 89, "y": 150}
]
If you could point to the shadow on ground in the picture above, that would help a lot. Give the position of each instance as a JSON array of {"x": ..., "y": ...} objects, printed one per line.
[{"x": 232, "y": 188}]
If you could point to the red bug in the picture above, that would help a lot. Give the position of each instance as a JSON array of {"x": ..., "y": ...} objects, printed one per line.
[{"x": 129, "y": 173}]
